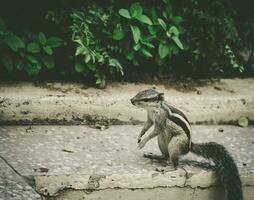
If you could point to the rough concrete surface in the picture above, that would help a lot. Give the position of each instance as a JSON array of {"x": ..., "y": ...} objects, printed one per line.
[
  {"x": 223, "y": 101},
  {"x": 175, "y": 193},
  {"x": 69, "y": 162},
  {"x": 12, "y": 186}
]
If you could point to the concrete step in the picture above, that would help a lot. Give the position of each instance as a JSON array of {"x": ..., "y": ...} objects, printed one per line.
[
  {"x": 80, "y": 162},
  {"x": 222, "y": 102}
]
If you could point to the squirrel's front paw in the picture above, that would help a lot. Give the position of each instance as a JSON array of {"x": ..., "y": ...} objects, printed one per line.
[{"x": 141, "y": 144}]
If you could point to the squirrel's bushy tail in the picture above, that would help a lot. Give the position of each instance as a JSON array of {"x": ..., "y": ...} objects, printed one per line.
[{"x": 225, "y": 167}]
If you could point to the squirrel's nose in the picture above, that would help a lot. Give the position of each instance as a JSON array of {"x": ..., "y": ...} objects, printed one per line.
[{"x": 132, "y": 101}]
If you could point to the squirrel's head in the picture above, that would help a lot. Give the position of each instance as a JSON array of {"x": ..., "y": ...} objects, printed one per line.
[{"x": 148, "y": 99}]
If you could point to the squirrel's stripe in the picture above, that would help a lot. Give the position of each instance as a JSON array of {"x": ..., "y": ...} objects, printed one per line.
[
  {"x": 177, "y": 118},
  {"x": 177, "y": 111}
]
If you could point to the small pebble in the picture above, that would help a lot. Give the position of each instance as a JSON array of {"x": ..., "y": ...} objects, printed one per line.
[
  {"x": 199, "y": 92},
  {"x": 221, "y": 130}
]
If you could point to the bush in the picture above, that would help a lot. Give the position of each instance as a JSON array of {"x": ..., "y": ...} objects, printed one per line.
[
  {"x": 30, "y": 53},
  {"x": 113, "y": 39}
]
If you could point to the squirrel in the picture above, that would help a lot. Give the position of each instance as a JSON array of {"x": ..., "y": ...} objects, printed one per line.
[{"x": 173, "y": 131}]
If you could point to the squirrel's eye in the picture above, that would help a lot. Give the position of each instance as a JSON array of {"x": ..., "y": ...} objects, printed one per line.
[{"x": 145, "y": 100}]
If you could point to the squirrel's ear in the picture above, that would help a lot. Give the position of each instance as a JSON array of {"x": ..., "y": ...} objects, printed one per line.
[{"x": 161, "y": 96}]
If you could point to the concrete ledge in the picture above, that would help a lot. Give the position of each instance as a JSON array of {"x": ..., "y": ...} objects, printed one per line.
[
  {"x": 150, "y": 194},
  {"x": 191, "y": 177},
  {"x": 59, "y": 186},
  {"x": 54, "y": 103}
]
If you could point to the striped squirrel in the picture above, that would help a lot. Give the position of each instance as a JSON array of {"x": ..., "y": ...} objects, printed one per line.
[{"x": 173, "y": 131}]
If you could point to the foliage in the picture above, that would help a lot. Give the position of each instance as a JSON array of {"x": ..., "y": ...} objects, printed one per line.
[
  {"x": 92, "y": 55},
  {"x": 30, "y": 54},
  {"x": 111, "y": 39},
  {"x": 211, "y": 36},
  {"x": 156, "y": 34}
]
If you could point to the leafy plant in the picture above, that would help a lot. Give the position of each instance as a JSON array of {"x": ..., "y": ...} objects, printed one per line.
[
  {"x": 20, "y": 53},
  {"x": 92, "y": 56},
  {"x": 151, "y": 29},
  {"x": 26, "y": 54},
  {"x": 103, "y": 39},
  {"x": 211, "y": 37}
]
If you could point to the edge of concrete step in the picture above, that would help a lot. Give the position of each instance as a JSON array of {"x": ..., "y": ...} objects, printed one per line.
[{"x": 220, "y": 102}]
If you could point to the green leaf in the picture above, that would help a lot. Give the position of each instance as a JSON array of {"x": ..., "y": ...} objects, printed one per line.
[
  {"x": 79, "y": 41},
  {"x": 163, "y": 50},
  {"x": 33, "y": 47},
  {"x": 243, "y": 121},
  {"x": 154, "y": 14},
  {"x": 93, "y": 57},
  {"x": 98, "y": 81},
  {"x": 79, "y": 67},
  {"x": 115, "y": 63},
  {"x": 165, "y": 14},
  {"x": 148, "y": 44},
  {"x": 91, "y": 66},
  {"x": 149, "y": 38},
  {"x": 136, "y": 33},
  {"x": 99, "y": 77},
  {"x": 118, "y": 32},
  {"x": 54, "y": 42},
  {"x": 14, "y": 42},
  {"x": 136, "y": 9},
  {"x": 162, "y": 23},
  {"x": 176, "y": 19},
  {"x": 146, "y": 53},
  {"x": 152, "y": 30},
  {"x": 7, "y": 62},
  {"x": 19, "y": 65},
  {"x": 144, "y": 19},
  {"x": 124, "y": 13},
  {"x": 174, "y": 30},
  {"x": 100, "y": 58},
  {"x": 48, "y": 61},
  {"x": 42, "y": 38},
  {"x": 168, "y": 8},
  {"x": 32, "y": 69},
  {"x": 130, "y": 55},
  {"x": 136, "y": 47},
  {"x": 81, "y": 50},
  {"x": 31, "y": 59},
  {"x": 87, "y": 58},
  {"x": 168, "y": 34},
  {"x": 48, "y": 50},
  {"x": 178, "y": 42}
]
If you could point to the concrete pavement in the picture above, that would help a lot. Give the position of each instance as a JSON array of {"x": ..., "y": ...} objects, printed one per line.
[{"x": 79, "y": 162}]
